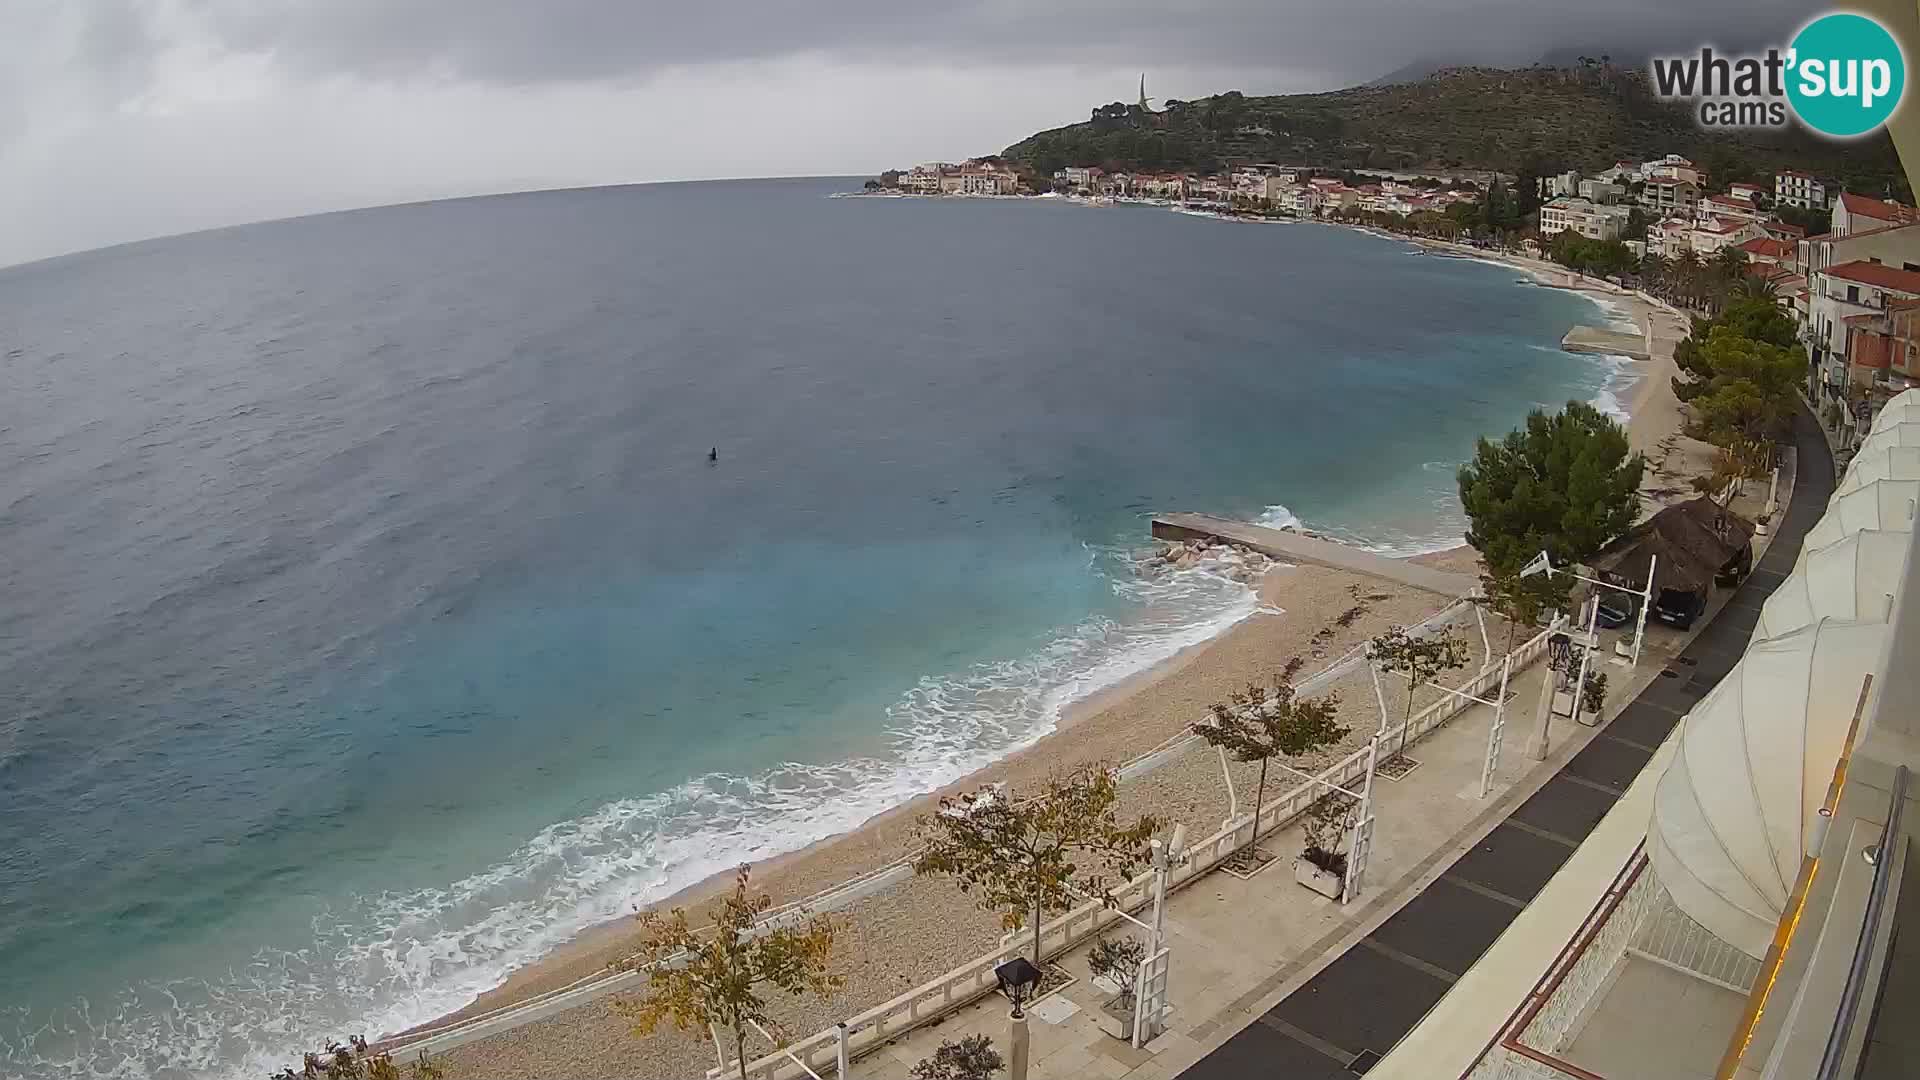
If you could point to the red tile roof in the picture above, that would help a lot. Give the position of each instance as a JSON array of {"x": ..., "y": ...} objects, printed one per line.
[
  {"x": 1875, "y": 208},
  {"x": 1873, "y": 273},
  {"x": 1767, "y": 247},
  {"x": 1784, "y": 229}
]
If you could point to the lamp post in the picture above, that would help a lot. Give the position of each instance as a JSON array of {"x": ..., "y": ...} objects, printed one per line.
[{"x": 1018, "y": 980}]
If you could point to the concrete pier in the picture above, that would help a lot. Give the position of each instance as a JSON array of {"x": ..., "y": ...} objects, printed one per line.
[
  {"x": 1592, "y": 339},
  {"x": 1295, "y": 548}
]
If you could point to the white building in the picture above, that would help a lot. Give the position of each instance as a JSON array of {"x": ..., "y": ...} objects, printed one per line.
[
  {"x": 1602, "y": 191},
  {"x": 1079, "y": 177},
  {"x": 1707, "y": 238},
  {"x": 1795, "y": 188},
  {"x": 1670, "y": 195},
  {"x": 1582, "y": 216},
  {"x": 1858, "y": 213},
  {"x": 1842, "y": 291}
]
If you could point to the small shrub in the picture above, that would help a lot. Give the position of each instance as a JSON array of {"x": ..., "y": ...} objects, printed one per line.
[
  {"x": 972, "y": 1058},
  {"x": 1325, "y": 824},
  {"x": 1118, "y": 960},
  {"x": 1594, "y": 694}
]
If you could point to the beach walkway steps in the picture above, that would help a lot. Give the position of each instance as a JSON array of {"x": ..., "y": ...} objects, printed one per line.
[
  {"x": 1593, "y": 339},
  {"x": 1294, "y": 547},
  {"x": 1353, "y": 1011}
]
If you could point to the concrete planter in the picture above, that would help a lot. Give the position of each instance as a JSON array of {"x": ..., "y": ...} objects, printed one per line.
[
  {"x": 1325, "y": 882},
  {"x": 1115, "y": 1017}
]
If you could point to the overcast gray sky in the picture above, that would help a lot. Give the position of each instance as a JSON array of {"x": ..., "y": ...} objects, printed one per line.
[{"x": 123, "y": 119}]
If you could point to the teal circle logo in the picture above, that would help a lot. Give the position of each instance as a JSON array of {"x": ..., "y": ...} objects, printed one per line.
[{"x": 1846, "y": 74}]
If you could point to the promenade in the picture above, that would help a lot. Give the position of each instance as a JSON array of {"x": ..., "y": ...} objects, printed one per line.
[{"x": 1268, "y": 979}]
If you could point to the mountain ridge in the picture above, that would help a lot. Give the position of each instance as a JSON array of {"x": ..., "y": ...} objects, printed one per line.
[{"x": 1538, "y": 119}]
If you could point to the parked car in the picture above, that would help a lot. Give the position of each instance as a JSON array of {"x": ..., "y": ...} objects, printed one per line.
[
  {"x": 1679, "y": 608},
  {"x": 1613, "y": 614}
]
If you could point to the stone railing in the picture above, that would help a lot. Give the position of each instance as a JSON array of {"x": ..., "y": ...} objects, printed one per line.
[{"x": 973, "y": 980}]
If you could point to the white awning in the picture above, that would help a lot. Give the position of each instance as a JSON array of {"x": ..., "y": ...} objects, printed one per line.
[
  {"x": 1732, "y": 812},
  {"x": 1902, "y": 408},
  {"x": 1886, "y": 463},
  {"x": 1852, "y": 578},
  {"x": 1880, "y": 504},
  {"x": 1896, "y": 434}
]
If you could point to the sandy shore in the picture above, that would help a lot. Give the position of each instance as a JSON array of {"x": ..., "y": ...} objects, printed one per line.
[{"x": 909, "y": 934}]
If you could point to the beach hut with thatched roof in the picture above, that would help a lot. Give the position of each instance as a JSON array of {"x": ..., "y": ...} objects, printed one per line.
[{"x": 1689, "y": 546}]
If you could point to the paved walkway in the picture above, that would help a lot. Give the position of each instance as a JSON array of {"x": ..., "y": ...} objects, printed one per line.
[
  {"x": 1297, "y": 548},
  {"x": 1342, "y": 1020}
]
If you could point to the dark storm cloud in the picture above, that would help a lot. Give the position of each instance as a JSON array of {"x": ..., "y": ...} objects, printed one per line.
[{"x": 518, "y": 41}]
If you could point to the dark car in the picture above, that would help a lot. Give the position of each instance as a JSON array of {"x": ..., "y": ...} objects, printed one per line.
[{"x": 1678, "y": 608}]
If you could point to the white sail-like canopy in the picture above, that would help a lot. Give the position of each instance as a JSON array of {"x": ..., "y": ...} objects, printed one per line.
[
  {"x": 1732, "y": 812},
  {"x": 1903, "y": 408},
  {"x": 1900, "y": 434},
  {"x": 1886, "y": 463},
  {"x": 1879, "y": 504},
  {"x": 1852, "y": 578}
]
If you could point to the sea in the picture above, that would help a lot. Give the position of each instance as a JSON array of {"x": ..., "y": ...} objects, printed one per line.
[{"x": 373, "y": 618}]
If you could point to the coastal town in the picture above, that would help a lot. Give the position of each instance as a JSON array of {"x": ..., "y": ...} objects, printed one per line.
[{"x": 1844, "y": 264}]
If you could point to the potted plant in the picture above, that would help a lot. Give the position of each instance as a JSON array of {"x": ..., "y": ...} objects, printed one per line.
[
  {"x": 1322, "y": 866},
  {"x": 1115, "y": 965}
]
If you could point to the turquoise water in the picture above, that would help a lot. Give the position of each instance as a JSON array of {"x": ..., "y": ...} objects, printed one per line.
[{"x": 375, "y": 620}]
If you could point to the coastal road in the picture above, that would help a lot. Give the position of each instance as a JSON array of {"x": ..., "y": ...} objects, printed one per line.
[{"x": 1344, "y": 1019}]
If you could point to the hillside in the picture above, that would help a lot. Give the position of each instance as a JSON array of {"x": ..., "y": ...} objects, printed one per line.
[{"x": 1537, "y": 119}]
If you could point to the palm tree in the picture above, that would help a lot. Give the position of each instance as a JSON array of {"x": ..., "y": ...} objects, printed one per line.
[{"x": 1753, "y": 287}]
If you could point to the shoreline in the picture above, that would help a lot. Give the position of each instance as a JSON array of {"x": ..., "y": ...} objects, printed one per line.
[{"x": 1110, "y": 718}]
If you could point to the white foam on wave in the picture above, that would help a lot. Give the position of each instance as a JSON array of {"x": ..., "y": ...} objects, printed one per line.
[
  {"x": 1278, "y": 517},
  {"x": 389, "y": 962}
]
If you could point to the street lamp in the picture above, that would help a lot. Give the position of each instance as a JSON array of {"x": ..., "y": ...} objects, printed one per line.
[{"x": 1019, "y": 980}]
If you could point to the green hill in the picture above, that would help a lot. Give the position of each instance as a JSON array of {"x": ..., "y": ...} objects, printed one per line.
[{"x": 1540, "y": 120}]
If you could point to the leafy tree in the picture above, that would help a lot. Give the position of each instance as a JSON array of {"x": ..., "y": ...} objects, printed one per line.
[
  {"x": 972, "y": 1058},
  {"x": 1740, "y": 389},
  {"x": 1564, "y": 484},
  {"x": 1520, "y": 600},
  {"x": 714, "y": 978},
  {"x": 1420, "y": 659},
  {"x": 1021, "y": 858},
  {"x": 1762, "y": 320},
  {"x": 1636, "y": 224},
  {"x": 1255, "y": 724}
]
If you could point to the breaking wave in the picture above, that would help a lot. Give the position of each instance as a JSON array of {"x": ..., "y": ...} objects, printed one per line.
[{"x": 389, "y": 962}]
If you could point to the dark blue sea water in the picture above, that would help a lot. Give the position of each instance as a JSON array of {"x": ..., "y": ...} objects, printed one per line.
[{"x": 371, "y": 619}]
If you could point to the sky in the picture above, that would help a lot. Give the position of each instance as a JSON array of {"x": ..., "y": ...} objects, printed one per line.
[{"x": 126, "y": 119}]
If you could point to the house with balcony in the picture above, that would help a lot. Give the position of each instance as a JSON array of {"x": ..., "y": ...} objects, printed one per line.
[
  {"x": 1666, "y": 195},
  {"x": 1593, "y": 221},
  {"x": 1837, "y": 295},
  {"x": 1710, "y": 236},
  {"x": 1804, "y": 190},
  {"x": 1728, "y": 206}
]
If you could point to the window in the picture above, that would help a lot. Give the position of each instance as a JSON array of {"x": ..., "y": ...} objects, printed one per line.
[{"x": 1853, "y": 294}]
